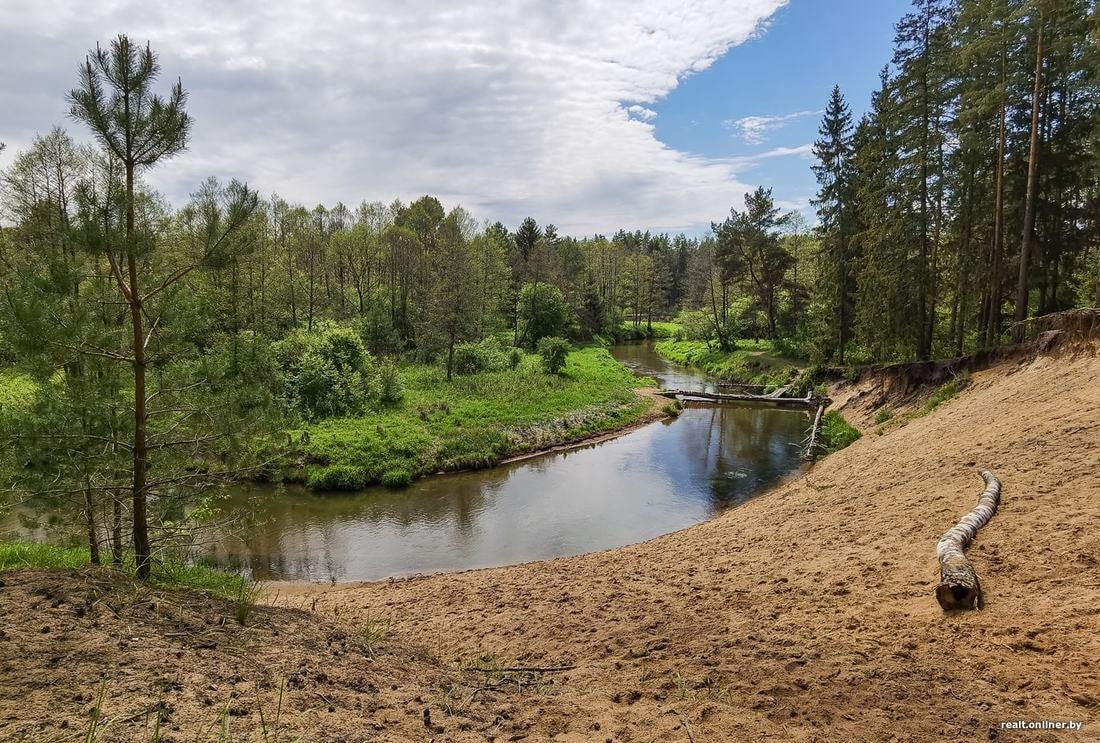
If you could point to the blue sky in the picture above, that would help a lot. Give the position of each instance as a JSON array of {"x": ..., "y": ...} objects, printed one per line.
[
  {"x": 790, "y": 69},
  {"x": 591, "y": 114}
]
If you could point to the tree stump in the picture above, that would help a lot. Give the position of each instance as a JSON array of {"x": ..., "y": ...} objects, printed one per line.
[{"x": 959, "y": 587}]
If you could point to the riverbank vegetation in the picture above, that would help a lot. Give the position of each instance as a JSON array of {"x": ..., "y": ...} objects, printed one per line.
[
  {"x": 752, "y": 362},
  {"x": 168, "y": 573},
  {"x": 473, "y": 421},
  {"x": 150, "y": 352}
]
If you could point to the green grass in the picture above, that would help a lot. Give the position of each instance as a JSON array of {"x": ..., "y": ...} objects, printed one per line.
[
  {"x": 472, "y": 421},
  {"x": 942, "y": 394},
  {"x": 836, "y": 433},
  {"x": 167, "y": 573},
  {"x": 751, "y": 362}
]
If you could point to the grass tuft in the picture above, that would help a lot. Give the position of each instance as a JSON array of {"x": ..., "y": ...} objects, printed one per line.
[{"x": 166, "y": 573}]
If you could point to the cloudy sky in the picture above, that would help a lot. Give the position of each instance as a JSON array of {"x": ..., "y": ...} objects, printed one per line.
[{"x": 651, "y": 114}]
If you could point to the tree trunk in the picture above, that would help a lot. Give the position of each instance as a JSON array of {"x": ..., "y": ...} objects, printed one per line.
[
  {"x": 450, "y": 355},
  {"x": 89, "y": 517},
  {"x": 116, "y": 529},
  {"x": 959, "y": 587},
  {"x": 141, "y": 448},
  {"x": 1032, "y": 187},
  {"x": 993, "y": 325}
]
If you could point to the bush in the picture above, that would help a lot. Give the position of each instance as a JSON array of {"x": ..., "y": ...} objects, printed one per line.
[
  {"x": 542, "y": 312},
  {"x": 337, "y": 477},
  {"x": 695, "y": 325},
  {"x": 836, "y": 433},
  {"x": 396, "y": 479},
  {"x": 515, "y": 358},
  {"x": 883, "y": 414},
  {"x": 475, "y": 358},
  {"x": 390, "y": 389},
  {"x": 325, "y": 373},
  {"x": 673, "y": 408},
  {"x": 553, "y": 351}
]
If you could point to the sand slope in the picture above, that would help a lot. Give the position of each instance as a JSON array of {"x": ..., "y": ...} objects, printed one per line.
[{"x": 806, "y": 614}]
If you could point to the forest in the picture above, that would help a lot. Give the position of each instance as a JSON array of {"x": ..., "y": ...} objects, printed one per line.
[{"x": 150, "y": 351}]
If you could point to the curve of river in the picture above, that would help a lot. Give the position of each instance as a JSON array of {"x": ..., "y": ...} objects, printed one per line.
[{"x": 651, "y": 481}]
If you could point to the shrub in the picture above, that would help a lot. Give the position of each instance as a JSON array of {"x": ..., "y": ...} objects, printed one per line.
[
  {"x": 475, "y": 358},
  {"x": 337, "y": 477},
  {"x": 836, "y": 433},
  {"x": 695, "y": 325},
  {"x": 883, "y": 414},
  {"x": 390, "y": 390},
  {"x": 553, "y": 351},
  {"x": 515, "y": 357},
  {"x": 542, "y": 311},
  {"x": 396, "y": 479},
  {"x": 673, "y": 408},
  {"x": 325, "y": 373}
]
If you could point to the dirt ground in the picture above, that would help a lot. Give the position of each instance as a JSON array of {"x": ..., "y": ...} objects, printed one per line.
[{"x": 807, "y": 614}]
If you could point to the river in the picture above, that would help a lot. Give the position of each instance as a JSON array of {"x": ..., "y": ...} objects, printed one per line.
[{"x": 654, "y": 480}]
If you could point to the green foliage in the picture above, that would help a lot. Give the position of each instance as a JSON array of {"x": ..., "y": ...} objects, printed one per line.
[
  {"x": 325, "y": 373},
  {"x": 390, "y": 390},
  {"x": 169, "y": 573},
  {"x": 337, "y": 477},
  {"x": 396, "y": 479},
  {"x": 488, "y": 355},
  {"x": 515, "y": 358},
  {"x": 883, "y": 414},
  {"x": 836, "y": 433},
  {"x": 476, "y": 420},
  {"x": 542, "y": 312},
  {"x": 673, "y": 408},
  {"x": 942, "y": 394},
  {"x": 753, "y": 362},
  {"x": 553, "y": 352}
]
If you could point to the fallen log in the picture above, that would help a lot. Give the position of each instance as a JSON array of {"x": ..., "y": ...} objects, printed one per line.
[
  {"x": 959, "y": 587},
  {"x": 730, "y": 397},
  {"x": 809, "y": 453}
]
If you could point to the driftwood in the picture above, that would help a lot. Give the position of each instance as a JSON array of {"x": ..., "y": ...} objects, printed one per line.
[
  {"x": 809, "y": 453},
  {"x": 727, "y": 397},
  {"x": 959, "y": 587}
]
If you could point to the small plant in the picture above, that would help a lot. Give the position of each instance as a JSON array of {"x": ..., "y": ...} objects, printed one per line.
[
  {"x": 883, "y": 414},
  {"x": 837, "y": 433},
  {"x": 943, "y": 393},
  {"x": 390, "y": 390},
  {"x": 515, "y": 358},
  {"x": 553, "y": 351},
  {"x": 396, "y": 479},
  {"x": 673, "y": 408},
  {"x": 245, "y": 601},
  {"x": 337, "y": 477},
  {"x": 373, "y": 633},
  {"x": 91, "y": 733}
]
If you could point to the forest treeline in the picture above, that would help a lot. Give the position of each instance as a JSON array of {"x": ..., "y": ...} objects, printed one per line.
[{"x": 160, "y": 346}]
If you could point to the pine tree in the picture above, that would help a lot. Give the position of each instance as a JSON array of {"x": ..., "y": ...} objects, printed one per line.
[{"x": 834, "y": 209}]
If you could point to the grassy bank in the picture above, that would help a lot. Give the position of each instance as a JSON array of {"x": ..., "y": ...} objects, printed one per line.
[
  {"x": 472, "y": 421},
  {"x": 15, "y": 555},
  {"x": 751, "y": 362}
]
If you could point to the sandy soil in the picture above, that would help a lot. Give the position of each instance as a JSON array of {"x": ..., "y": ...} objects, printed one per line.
[{"x": 806, "y": 614}]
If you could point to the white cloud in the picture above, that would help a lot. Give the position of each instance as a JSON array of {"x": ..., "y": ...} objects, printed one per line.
[
  {"x": 745, "y": 162},
  {"x": 516, "y": 108},
  {"x": 756, "y": 129}
]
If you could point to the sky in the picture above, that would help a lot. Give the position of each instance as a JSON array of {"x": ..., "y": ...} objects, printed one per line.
[{"x": 593, "y": 115}]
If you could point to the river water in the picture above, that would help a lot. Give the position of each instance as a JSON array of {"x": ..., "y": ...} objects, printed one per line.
[{"x": 651, "y": 481}]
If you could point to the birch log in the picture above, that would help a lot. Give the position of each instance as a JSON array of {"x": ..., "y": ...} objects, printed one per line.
[{"x": 959, "y": 587}]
